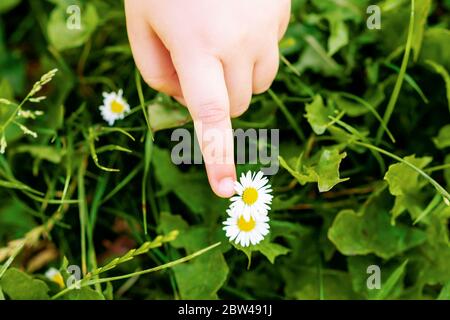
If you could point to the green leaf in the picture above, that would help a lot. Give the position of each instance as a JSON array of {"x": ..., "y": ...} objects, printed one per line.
[
  {"x": 435, "y": 253},
  {"x": 203, "y": 277},
  {"x": 169, "y": 222},
  {"x": 371, "y": 232},
  {"x": 318, "y": 115},
  {"x": 402, "y": 179},
  {"x": 435, "y": 47},
  {"x": 18, "y": 285},
  {"x": 422, "y": 9},
  {"x": 405, "y": 185},
  {"x": 323, "y": 169},
  {"x": 304, "y": 283},
  {"x": 442, "y": 141},
  {"x": 63, "y": 37},
  {"x": 48, "y": 153},
  {"x": 269, "y": 249},
  {"x": 164, "y": 116},
  {"x": 327, "y": 169},
  {"x": 84, "y": 293},
  {"x": 338, "y": 34}
]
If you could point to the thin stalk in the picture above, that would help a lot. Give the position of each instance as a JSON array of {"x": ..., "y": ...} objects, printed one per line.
[{"x": 400, "y": 78}]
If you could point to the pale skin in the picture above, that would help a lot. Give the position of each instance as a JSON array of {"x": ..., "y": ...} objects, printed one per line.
[{"x": 211, "y": 56}]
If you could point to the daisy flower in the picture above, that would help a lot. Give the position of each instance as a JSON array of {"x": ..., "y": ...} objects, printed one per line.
[
  {"x": 246, "y": 232},
  {"x": 253, "y": 196},
  {"x": 114, "y": 107},
  {"x": 55, "y": 276}
]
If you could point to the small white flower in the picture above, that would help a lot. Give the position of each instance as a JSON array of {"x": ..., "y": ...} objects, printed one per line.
[
  {"x": 253, "y": 196},
  {"x": 114, "y": 107},
  {"x": 55, "y": 276},
  {"x": 246, "y": 232}
]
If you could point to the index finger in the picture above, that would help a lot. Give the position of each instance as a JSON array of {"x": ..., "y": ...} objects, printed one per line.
[{"x": 204, "y": 89}]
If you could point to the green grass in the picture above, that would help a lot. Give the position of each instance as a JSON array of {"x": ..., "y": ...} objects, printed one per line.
[{"x": 364, "y": 163}]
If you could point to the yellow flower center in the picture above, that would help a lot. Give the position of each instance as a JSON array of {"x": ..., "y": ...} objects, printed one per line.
[
  {"x": 117, "y": 107},
  {"x": 245, "y": 225},
  {"x": 250, "y": 196},
  {"x": 58, "y": 279}
]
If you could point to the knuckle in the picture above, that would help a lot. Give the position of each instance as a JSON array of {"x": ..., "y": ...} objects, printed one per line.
[{"x": 211, "y": 112}]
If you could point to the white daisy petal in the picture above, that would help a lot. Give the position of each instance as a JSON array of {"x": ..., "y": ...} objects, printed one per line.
[
  {"x": 253, "y": 195},
  {"x": 114, "y": 107},
  {"x": 246, "y": 232}
]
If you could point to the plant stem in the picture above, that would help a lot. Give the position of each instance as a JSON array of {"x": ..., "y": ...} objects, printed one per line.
[
  {"x": 438, "y": 187},
  {"x": 401, "y": 76}
]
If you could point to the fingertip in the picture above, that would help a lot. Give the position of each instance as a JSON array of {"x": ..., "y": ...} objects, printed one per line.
[{"x": 225, "y": 188}]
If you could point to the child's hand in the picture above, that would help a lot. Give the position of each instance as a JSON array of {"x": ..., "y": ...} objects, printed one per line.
[{"x": 210, "y": 55}]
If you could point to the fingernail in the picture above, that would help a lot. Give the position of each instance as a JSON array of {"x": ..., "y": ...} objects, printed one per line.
[{"x": 226, "y": 187}]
